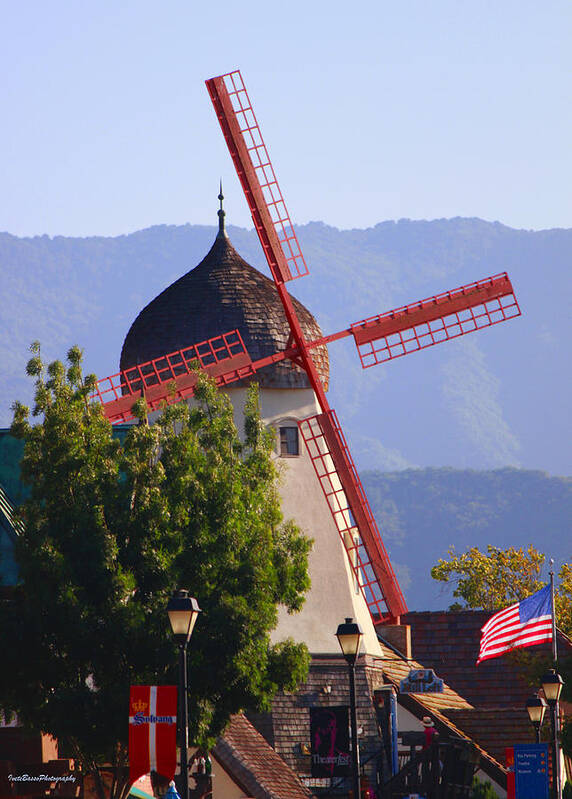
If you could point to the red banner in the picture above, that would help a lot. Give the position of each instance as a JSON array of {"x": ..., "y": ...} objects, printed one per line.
[
  {"x": 509, "y": 762},
  {"x": 152, "y": 730}
]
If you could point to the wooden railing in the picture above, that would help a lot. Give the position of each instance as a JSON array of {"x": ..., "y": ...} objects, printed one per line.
[{"x": 442, "y": 771}]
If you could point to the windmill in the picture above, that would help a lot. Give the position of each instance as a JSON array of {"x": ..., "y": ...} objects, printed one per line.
[{"x": 171, "y": 377}]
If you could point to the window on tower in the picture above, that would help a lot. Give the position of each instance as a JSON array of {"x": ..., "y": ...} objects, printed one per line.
[{"x": 289, "y": 440}]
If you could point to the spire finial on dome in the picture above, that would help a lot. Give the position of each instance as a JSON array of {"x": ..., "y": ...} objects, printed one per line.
[{"x": 221, "y": 213}]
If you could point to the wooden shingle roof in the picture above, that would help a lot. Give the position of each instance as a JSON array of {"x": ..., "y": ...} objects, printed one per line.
[
  {"x": 221, "y": 294},
  {"x": 445, "y": 709},
  {"x": 397, "y": 668},
  {"x": 494, "y": 728},
  {"x": 253, "y": 764},
  {"x": 494, "y": 716}
]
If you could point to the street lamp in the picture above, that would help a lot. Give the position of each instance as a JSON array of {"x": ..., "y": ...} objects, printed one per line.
[
  {"x": 552, "y": 684},
  {"x": 183, "y": 611},
  {"x": 349, "y": 636},
  {"x": 536, "y": 707}
]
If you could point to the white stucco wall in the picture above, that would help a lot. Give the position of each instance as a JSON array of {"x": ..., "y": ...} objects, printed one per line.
[
  {"x": 223, "y": 785},
  {"x": 333, "y": 595}
]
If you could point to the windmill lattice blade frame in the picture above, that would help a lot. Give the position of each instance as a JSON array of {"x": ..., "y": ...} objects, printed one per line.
[
  {"x": 434, "y": 320},
  {"x": 172, "y": 377},
  {"x": 352, "y": 515},
  {"x": 256, "y": 174}
]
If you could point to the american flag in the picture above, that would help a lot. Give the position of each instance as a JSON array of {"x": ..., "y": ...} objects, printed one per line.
[{"x": 527, "y": 623}]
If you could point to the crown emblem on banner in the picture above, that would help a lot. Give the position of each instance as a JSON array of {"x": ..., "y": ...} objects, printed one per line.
[{"x": 139, "y": 706}]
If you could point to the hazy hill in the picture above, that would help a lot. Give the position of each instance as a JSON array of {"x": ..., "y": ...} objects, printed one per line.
[
  {"x": 499, "y": 397},
  {"x": 424, "y": 512}
]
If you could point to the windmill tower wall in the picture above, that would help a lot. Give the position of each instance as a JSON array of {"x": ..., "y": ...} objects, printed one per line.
[
  {"x": 333, "y": 595},
  {"x": 224, "y": 293}
]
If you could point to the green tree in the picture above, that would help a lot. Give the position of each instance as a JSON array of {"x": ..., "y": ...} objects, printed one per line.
[
  {"x": 110, "y": 530},
  {"x": 501, "y": 577}
]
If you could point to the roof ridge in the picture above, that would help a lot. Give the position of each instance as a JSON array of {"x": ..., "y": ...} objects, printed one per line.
[{"x": 227, "y": 750}]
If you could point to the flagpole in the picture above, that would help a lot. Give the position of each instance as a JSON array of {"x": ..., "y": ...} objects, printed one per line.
[
  {"x": 554, "y": 642},
  {"x": 555, "y": 710}
]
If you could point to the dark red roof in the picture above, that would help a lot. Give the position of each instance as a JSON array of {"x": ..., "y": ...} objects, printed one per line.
[
  {"x": 494, "y": 728},
  {"x": 448, "y": 643},
  {"x": 221, "y": 294},
  {"x": 441, "y": 707},
  {"x": 254, "y": 765}
]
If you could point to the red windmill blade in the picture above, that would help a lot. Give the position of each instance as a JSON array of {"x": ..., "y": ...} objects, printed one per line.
[
  {"x": 173, "y": 376},
  {"x": 434, "y": 320},
  {"x": 256, "y": 174},
  {"x": 359, "y": 532},
  {"x": 392, "y": 334},
  {"x": 378, "y": 338}
]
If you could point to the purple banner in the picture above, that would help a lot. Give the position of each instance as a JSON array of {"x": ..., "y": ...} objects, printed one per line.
[{"x": 330, "y": 741}]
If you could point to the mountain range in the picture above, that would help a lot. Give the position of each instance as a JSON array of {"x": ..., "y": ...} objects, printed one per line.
[
  {"x": 423, "y": 513},
  {"x": 496, "y": 398}
]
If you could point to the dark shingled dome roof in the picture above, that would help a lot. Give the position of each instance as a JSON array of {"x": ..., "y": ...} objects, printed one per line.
[{"x": 223, "y": 293}]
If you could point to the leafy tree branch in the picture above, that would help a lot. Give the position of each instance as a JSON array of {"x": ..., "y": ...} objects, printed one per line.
[{"x": 110, "y": 530}]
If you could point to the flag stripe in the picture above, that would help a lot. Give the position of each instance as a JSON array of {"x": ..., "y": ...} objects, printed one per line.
[
  {"x": 509, "y": 632},
  {"x": 527, "y": 623}
]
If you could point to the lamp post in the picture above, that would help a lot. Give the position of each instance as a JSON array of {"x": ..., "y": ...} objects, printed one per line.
[
  {"x": 349, "y": 636},
  {"x": 183, "y": 611},
  {"x": 552, "y": 686},
  {"x": 536, "y": 707}
]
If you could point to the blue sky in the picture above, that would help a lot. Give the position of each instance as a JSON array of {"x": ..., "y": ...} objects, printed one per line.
[{"x": 370, "y": 111}]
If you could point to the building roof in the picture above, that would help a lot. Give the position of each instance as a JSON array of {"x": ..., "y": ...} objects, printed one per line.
[
  {"x": 494, "y": 728},
  {"x": 442, "y": 707},
  {"x": 254, "y": 765},
  {"x": 496, "y": 690},
  {"x": 448, "y": 643},
  {"x": 396, "y": 668},
  {"x": 221, "y": 294}
]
